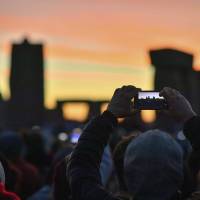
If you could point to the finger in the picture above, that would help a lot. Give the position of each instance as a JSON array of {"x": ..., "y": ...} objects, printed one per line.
[
  {"x": 117, "y": 91},
  {"x": 169, "y": 94},
  {"x": 125, "y": 86},
  {"x": 175, "y": 92},
  {"x": 163, "y": 92},
  {"x": 128, "y": 87},
  {"x": 130, "y": 91},
  {"x": 166, "y": 91}
]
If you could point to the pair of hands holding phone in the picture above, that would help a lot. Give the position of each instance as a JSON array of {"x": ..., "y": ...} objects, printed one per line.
[{"x": 121, "y": 104}]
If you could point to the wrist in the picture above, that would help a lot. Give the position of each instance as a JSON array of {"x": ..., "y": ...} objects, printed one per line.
[
  {"x": 111, "y": 113},
  {"x": 109, "y": 116},
  {"x": 110, "y": 110}
]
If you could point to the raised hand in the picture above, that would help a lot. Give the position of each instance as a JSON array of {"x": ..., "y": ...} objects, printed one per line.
[
  {"x": 121, "y": 104},
  {"x": 179, "y": 106}
]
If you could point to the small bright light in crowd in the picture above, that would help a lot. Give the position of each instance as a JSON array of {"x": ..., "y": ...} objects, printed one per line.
[
  {"x": 120, "y": 120},
  {"x": 74, "y": 136},
  {"x": 75, "y": 111},
  {"x": 63, "y": 136},
  {"x": 36, "y": 127},
  {"x": 148, "y": 116}
]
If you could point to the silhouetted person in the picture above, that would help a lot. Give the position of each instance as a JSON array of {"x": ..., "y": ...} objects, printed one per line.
[
  {"x": 11, "y": 145},
  {"x": 35, "y": 149},
  {"x": 48, "y": 189},
  {"x": 153, "y": 164}
]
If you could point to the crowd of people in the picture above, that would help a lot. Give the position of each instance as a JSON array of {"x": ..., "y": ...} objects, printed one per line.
[{"x": 107, "y": 163}]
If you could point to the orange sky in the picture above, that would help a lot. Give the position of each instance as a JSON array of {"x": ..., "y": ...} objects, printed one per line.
[{"x": 93, "y": 46}]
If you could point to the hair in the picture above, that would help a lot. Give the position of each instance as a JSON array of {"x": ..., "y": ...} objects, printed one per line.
[{"x": 118, "y": 158}]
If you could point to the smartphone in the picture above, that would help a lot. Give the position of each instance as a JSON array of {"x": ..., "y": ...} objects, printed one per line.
[{"x": 150, "y": 100}]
